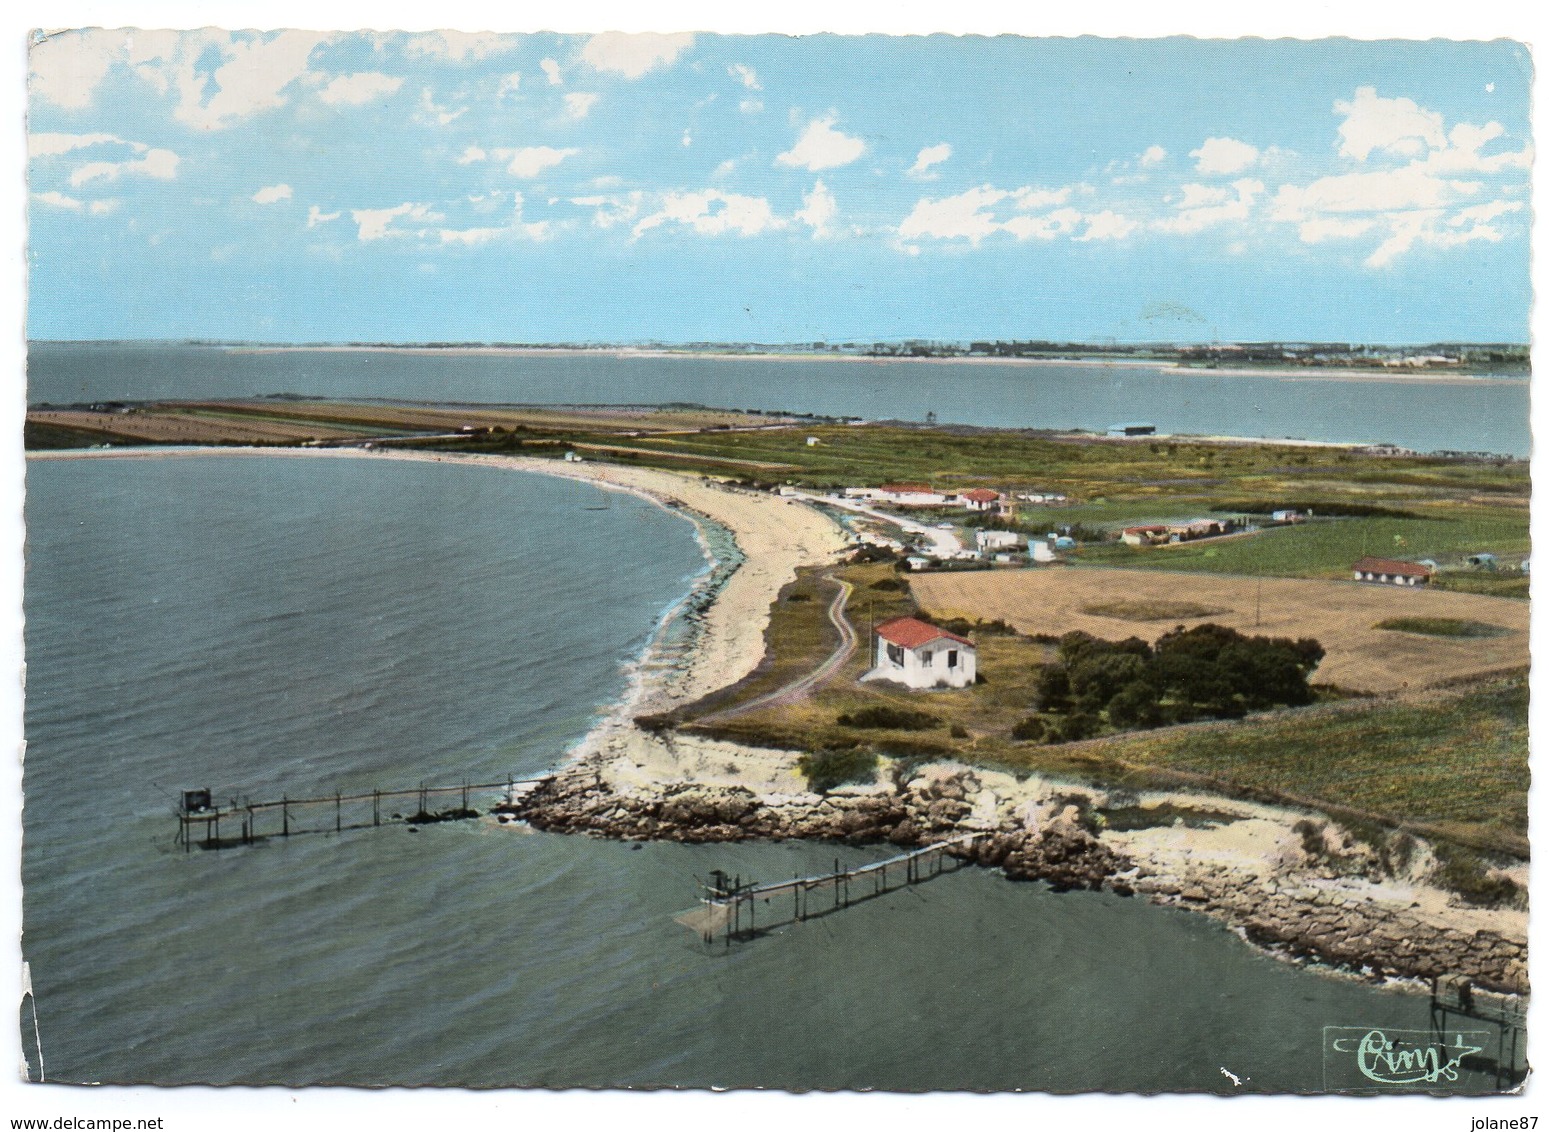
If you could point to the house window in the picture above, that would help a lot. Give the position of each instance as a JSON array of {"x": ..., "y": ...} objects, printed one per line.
[
  {"x": 951, "y": 658},
  {"x": 926, "y": 659},
  {"x": 895, "y": 653}
]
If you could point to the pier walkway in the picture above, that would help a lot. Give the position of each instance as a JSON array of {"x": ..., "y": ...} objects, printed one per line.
[
  {"x": 737, "y": 910},
  {"x": 199, "y": 817}
]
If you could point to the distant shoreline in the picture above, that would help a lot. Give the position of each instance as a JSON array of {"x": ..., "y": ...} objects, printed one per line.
[{"x": 1341, "y": 374}]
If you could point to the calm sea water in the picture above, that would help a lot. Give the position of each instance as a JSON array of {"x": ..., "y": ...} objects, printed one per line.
[
  {"x": 255, "y": 624},
  {"x": 1469, "y": 414}
]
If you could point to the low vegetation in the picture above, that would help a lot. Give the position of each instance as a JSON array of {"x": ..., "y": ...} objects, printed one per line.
[
  {"x": 1442, "y": 627},
  {"x": 1152, "y": 610},
  {"x": 882, "y": 716},
  {"x": 825, "y": 770}
]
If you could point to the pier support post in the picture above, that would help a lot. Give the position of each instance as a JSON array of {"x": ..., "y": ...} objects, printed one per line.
[
  {"x": 285, "y": 815},
  {"x": 338, "y": 818},
  {"x": 376, "y": 807}
]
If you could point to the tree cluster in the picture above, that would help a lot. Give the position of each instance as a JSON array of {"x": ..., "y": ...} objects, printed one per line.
[{"x": 1207, "y": 672}]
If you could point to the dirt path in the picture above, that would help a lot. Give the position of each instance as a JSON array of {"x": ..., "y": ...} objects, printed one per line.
[{"x": 802, "y": 686}]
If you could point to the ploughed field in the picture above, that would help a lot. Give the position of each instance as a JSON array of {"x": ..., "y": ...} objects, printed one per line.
[{"x": 1343, "y": 616}]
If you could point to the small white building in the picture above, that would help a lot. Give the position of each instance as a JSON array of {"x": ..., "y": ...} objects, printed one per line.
[
  {"x": 919, "y": 655},
  {"x": 980, "y": 499},
  {"x": 988, "y": 541},
  {"x": 1391, "y": 572}
]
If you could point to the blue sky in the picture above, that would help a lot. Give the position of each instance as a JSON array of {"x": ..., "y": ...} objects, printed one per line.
[{"x": 301, "y": 186}]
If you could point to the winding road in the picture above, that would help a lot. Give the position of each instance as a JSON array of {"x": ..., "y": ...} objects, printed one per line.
[{"x": 803, "y": 685}]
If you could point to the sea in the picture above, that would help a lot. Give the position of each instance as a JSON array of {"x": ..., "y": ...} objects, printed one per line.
[
  {"x": 1471, "y": 413},
  {"x": 260, "y": 625}
]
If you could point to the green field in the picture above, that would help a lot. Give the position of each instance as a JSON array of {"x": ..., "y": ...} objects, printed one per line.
[{"x": 1325, "y": 548}]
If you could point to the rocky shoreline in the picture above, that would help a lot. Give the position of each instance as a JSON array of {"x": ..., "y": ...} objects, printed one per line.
[{"x": 1251, "y": 869}]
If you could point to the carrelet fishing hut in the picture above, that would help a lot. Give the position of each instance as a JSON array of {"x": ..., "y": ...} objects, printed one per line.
[{"x": 919, "y": 655}]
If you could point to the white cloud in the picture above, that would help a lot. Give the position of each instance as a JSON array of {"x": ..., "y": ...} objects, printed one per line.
[
  {"x": 822, "y": 147},
  {"x": 59, "y": 200},
  {"x": 1484, "y": 213},
  {"x": 688, "y": 137},
  {"x": 930, "y": 155},
  {"x": 751, "y": 105},
  {"x": 67, "y": 67},
  {"x": 471, "y": 154},
  {"x": 532, "y": 160},
  {"x": 377, "y": 223},
  {"x": 611, "y": 210},
  {"x": 1224, "y": 155},
  {"x": 460, "y": 46},
  {"x": 551, "y": 69},
  {"x": 359, "y": 89},
  {"x": 1393, "y": 125},
  {"x": 634, "y": 55},
  {"x": 747, "y": 75},
  {"x": 1204, "y": 206},
  {"x": 253, "y": 77},
  {"x": 712, "y": 213},
  {"x": 1107, "y": 225},
  {"x": 470, "y": 237},
  {"x": 1154, "y": 155},
  {"x": 432, "y": 113},
  {"x": 217, "y": 77},
  {"x": 1029, "y": 198},
  {"x": 316, "y": 216},
  {"x": 579, "y": 104},
  {"x": 103, "y": 207},
  {"x": 1323, "y": 228},
  {"x": 818, "y": 209},
  {"x": 272, "y": 194},
  {"x": 1060, "y": 222},
  {"x": 724, "y": 169},
  {"x": 509, "y": 84},
  {"x": 965, "y": 216},
  {"x": 972, "y": 216},
  {"x": 53, "y": 145},
  {"x": 1383, "y": 190},
  {"x": 158, "y": 163}
]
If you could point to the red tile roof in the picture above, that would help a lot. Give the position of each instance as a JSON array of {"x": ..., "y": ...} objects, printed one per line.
[
  {"x": 911, "y": 632},
  {"x": 1391, "y": 566}
]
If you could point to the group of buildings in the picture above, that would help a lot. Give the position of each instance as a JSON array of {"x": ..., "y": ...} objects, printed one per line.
[{"x": 980, "y": 499}]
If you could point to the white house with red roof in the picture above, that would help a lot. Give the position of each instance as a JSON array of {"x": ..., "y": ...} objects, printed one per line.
[
  {"x": 919, "y": 655},
  {"x": 980, "y": 499},
  {"x": 1388, "y": 571}
]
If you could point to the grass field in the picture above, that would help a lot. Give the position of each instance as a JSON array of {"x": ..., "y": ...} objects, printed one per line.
[
  {"x": 1341, "y": 615},
  {"x": 1448, "y": 762},
  {"x": 1325, "y": 548},
  {"x": 1453, "y": 760}
]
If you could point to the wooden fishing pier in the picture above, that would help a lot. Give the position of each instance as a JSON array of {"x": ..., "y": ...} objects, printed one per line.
[
  {"x": 730, "y": 907},
  {"x": 199, "y": 817}
]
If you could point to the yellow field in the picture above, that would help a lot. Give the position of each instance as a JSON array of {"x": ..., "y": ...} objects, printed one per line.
[{"x": 1341, "y": 615}]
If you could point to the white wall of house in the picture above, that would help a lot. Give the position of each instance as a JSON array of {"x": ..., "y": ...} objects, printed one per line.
[{"x": 942, "y": 663}]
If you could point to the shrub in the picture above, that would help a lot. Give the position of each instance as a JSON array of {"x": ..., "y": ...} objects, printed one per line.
[
  {"x": 1468, "y": 874},
  {"x": 1029, "y": 730},
  {"x": 1135, "y": 706},
  {"x": 959, "y": 731},
  {"x": 825, "y": 770},
  {"x": 898, "y": 719},
  {"x": 888, "y": 584}
]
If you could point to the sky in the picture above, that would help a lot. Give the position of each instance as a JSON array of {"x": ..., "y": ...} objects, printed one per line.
[{"x": 304, "y": 186}]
